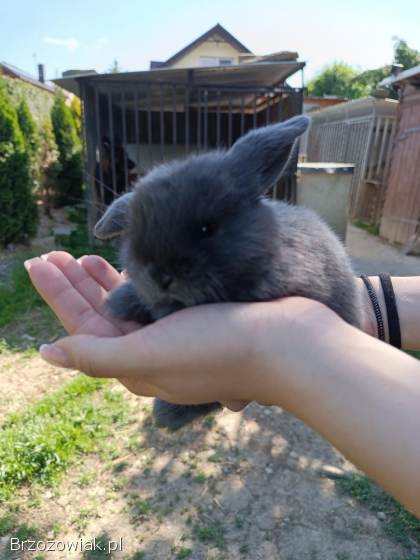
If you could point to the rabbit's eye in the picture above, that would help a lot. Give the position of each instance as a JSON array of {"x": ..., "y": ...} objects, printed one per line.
[{"x": 207, "y": 229}]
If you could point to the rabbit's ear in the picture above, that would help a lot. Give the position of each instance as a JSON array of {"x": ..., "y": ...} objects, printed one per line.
[
  {"x": 115, "y": 220},
  {"x": 257, "y": 160}
]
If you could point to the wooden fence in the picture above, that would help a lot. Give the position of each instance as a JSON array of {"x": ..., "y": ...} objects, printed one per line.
[{"x": 401, "y": 213}]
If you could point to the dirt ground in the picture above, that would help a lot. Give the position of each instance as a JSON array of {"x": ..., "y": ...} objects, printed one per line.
[
  {"x": 254, "y": 485},
  {"x": 371, "y": 255},
  {"x": 257, "y": 485}
]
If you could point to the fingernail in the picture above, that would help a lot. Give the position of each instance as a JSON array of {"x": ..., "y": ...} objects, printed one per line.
[
  {"x": 54, "y": 355},
  {"x": 27, "y": 264}
]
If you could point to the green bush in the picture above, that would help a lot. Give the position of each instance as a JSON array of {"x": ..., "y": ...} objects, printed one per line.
[
  {"x": 18, "y": 210},
  {"x": 69, "y": 183},
  {"x": 76, "y": 111},
  {"x": 47, "y": 164},
  {"x": 28, "y": 128}
]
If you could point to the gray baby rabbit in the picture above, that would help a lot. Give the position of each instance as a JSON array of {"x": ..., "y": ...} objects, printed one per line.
[{"x": 199, "y": 230}]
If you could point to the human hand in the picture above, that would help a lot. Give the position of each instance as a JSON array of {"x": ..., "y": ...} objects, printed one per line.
[
  {"x": 217, "y": 341},
  {"x": 76, "y": 290},
  {"x": 203, "y": 354}
]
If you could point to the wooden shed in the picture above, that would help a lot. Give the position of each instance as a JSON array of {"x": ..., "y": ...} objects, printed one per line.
[
  {"x": 400, "y": 221},
  {"x": 358, "y": 132},
  {"x": 134, "y": 120}
]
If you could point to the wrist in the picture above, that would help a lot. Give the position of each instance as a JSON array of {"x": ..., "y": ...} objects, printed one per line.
[
  {"x": 369, "y": 322},
  {"x": 296, "y": 335},
  {"x": 406, "y": 290}
]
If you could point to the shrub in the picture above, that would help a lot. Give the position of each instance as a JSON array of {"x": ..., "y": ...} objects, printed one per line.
[
  {"x": 69, "y": 181},
  {"x": 70, "y": 176},
  {"x": 48, "y": 163},
  {"x": 76, "y": 111},
  {"x": 28, "y": 128},
  {"x": 18, "y": 210}
]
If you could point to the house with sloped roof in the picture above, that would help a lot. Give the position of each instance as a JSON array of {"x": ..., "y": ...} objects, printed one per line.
[{"x": 217, "y": 47}]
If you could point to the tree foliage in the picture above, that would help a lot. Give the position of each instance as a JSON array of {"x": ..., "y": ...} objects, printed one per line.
[
  {"x": 76, "y": 111},
  {"x": 338, "y": 79},
  {"x": 115, "y": 67},
  {"x": 48, "y": 163},
  {"x": 64, "y": 129},
  {"x": 405, "y": 55},
  {"x": 69, "y": 184},
  {"x": 18, "y": 210},
  {"x": 343, "y": 80},
  {"x": 28, "y": 128},
  {"x": 369, "y": 79}
]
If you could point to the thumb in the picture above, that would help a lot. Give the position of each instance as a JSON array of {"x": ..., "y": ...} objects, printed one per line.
[{"x": 95, "y": 356}]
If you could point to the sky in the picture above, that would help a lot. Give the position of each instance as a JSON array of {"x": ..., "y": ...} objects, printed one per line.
[{"x": 82, "y": 34}]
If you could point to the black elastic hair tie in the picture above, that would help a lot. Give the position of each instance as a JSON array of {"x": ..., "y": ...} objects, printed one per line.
[
  {"x": 394, "y": 328},
  {"x": 376, "y": 307}
]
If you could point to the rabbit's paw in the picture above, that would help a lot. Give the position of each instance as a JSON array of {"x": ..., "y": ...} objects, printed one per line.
[{"x": 123, "y": 303}]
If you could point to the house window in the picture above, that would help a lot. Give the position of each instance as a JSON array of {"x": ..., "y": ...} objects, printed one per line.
[
  {"x": 215, "y": 61},
  {"x": 225, "y": 61}
]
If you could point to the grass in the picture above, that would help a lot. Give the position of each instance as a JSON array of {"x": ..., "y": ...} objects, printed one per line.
[
  {"x": 370, "y": 228},
  {"x": 182, "y": 553},
  {"x": 86, "y": 479},
  {"x": 101, "y": 551},
  {"x": 200, "y": 477},
  {"x": 139, "y": 555},
  {"x": 139, "y": 509},
  {"x": 9, "y": 524},
  {"x": 212, "y": 533},
  {"x": 215, "y": 457},
  {"x": 38, "y": 444},
  {"x": 399, "y": 524},
  {"x": 18, "y": 296},
  {"x": 81, "y": 521}
]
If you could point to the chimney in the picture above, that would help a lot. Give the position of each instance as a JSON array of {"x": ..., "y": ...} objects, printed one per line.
[{"x": 41, "y": 73}]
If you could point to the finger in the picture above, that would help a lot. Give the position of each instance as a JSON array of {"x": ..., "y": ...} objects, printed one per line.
[
  {"x": 79, "y": 278},
  {"x": 95, "y": 356},
  {"x": 101, "y": 271},
  {"x": 92, "y": 287},
  {"x": 53, "y": 286},
  {"x": 107, "y": 277}
]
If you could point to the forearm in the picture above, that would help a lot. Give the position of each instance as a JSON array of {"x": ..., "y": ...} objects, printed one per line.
[
  {"x": 362, "y": 395},
  {"x": 407, "y": 295}
]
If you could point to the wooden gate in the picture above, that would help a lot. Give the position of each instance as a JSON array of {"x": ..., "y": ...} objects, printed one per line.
[{"x": 401, "y": 212}]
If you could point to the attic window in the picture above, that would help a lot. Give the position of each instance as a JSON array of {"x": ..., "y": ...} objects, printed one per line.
[{"x": 215, "y": 61}]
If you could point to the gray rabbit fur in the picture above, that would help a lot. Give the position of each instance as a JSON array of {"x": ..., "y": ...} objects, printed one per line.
[{"x": 199, "y": 231}]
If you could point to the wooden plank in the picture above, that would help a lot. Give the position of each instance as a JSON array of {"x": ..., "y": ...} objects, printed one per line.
[{"x": 402, "y": 200}]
